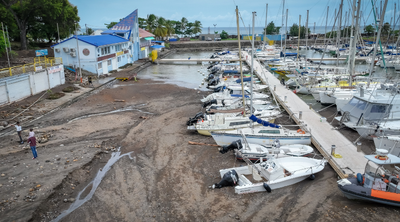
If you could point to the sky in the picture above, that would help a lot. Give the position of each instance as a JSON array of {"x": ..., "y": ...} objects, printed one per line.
[{"x": 222, "y": 12}]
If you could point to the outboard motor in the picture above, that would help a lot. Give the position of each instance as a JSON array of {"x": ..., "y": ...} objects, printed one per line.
[
  {"x": 234, "y": 145},
  {"x": 210, "y": 66},
  {"x": 230, "y": 178},
  {"x": 211, "y": 76},
  {"x": 194, "y": 120},
  {"x": 214, "y": 101},
  {"x": 213, "y": 82}
]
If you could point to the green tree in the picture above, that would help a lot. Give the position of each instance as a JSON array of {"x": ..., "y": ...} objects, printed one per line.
[
  {"x": 386, "y": 29},
  {"x": 3, "y": 43},
  {"x": 43, "y": 15},
  {"x": 294, "y": 31},
  {"x": 110, "y": 25},
  {"x": 369, "y": 29},
  {"x": 151, "y": 22},
  {"x": 142, "y": 23},
  {"x": 184, "y": 23},
  {"x": 160, "y": 29},
  {"x": 197, "y": 27},
  {"x": 89, "y": 31},
  {"x": 189, "y": 29},
  {"x": 224, "y": 35},
  {"x": 169, "y": 25},
  {"x": 271, "y": 29}
]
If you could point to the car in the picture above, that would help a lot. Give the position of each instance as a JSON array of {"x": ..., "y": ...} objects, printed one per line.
[
  {"x": 208, "y": 39},
  {"x": 217, "y": 39}
]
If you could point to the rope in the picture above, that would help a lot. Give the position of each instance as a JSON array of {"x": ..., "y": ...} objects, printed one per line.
[
  {"x": 29, "y": 106},
  {"x": 326, "y": 107}
]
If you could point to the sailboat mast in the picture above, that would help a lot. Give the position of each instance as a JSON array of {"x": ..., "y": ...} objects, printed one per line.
[
  {"x": 377, "y": 39},
  {"x": 298, "y": 41},
  {"x": 352, "y": 42},
  {"x": 326, "y": 23},
  {"x": 240, "y": 60},
  {"x": 339, "y": 32},
  {"x": 357, "y": 17},
  {"x": 284, "y": 50},
  {"x": 252, "y": 69},
  {"x": 305, "y": 59},
  {"x": 266, "y": 24},
  {"x": 283, "y": 16}
]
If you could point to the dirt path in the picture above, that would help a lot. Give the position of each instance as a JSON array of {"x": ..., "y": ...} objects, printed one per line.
[{"x": 163, "y": 179}]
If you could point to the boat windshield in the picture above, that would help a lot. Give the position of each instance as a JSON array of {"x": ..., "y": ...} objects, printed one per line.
[{"x": 374, "y": 170}]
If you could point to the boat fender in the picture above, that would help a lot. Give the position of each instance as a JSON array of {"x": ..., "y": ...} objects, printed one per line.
[
  {"x": 360, "y": 178},
  {"x": 294, "y": 91},
  {"x": 267, "y": 188},
  {"x": 311, "y": 177}
]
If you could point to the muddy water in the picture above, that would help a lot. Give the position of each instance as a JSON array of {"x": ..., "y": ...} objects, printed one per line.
[{"x": 189, "y": 75}]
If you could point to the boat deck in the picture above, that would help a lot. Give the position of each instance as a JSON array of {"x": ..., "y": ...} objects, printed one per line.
[{"x": 323, "y": 134}]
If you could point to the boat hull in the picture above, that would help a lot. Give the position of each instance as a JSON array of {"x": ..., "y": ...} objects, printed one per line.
[{"x": 225, "y": 139}]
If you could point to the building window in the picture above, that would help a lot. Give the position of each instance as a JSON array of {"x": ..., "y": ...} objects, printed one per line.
[
  {"x": 109, "y": 62},
  {"x": 99, "y": 65},
  {"x": 102, "y": 51},
  {"x": 119, "y": 58}
]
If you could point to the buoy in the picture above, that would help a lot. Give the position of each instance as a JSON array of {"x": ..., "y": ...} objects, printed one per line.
[
  {"x": 311, "y": 177},
  {"x": 267, "y": 188},
  {"x": 195, "y": 88}
]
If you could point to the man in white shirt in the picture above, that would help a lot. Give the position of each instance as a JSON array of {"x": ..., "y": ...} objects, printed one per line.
[{"x": 19, "y": 130}]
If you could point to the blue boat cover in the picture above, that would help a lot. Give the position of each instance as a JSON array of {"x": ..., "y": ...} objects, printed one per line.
[
  {"x": 238, "y": 95},
  {"x": 263, "y": 122},
  {"x": 231, "y": 71},
  {"x": 248, "y": 79}
]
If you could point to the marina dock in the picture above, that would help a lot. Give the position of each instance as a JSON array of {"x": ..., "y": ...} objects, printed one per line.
[
  {"x": 323, "y": 134},
  {"x": 192, "y": 60}
]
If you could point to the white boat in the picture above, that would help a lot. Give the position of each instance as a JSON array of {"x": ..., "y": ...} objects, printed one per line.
[
  {"x": 389, "y": 143},
  {"x": 234, "y": 93},
  {"x": 224, "y": 123},
  {"x": 254, "y": 152},
  {"x": 263, "y": 135},
  {"x": 274, "y": 173}
]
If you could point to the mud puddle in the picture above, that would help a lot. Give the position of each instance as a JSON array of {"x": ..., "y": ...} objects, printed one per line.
[
  {"x": 92, "y": 186},
  {"x": 125, "y": 109}
]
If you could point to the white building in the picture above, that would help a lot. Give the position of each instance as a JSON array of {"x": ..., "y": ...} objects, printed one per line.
[{"x": 98, "y": 54}]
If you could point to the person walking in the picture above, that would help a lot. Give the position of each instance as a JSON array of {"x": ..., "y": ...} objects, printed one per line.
[
  {"x": 90, "y": 81},
  {"x": 19, "y": 131},
  {"x": 32, "y": 143}
]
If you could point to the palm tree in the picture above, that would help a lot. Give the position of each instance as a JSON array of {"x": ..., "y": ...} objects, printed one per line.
[
  {"x": 160, "y": 30},
  {"x": 151, "y": 22},
  {"x": 184, "y": 22},
  {"x": 169, "y": 25},
  {"x": 197, "y": 27}
]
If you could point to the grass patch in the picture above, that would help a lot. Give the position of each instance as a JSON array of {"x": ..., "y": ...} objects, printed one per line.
[
  {"x": 55, "y": 95},
  {"x": 194, "y": 39},
  {"x": 228, "y": 39},
  {"x": 70, "y": 89}
]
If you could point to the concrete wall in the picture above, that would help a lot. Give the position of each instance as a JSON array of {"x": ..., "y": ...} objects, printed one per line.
[
  {"x": 203, "y": 37},
  {"x": 17, "y": 87}
]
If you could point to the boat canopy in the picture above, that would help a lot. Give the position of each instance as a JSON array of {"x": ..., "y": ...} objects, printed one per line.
[
  {"x": 263, "y": 122},
  {"x": 248, "y": 79},
  {"x": 392, "y": 159}
]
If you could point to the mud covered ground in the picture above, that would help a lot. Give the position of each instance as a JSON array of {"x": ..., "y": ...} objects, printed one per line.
[{"x": 163, "y": 179}]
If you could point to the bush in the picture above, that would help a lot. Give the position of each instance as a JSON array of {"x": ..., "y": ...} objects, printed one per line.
[
  {"x": 70, "y": 89},
  {"x": 55, "y": 95}
]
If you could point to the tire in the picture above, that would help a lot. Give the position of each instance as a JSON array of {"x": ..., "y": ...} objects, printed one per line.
[{"x": 267, "y": 188}]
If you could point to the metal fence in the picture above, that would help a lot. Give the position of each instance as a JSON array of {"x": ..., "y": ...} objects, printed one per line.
[{"x": 38, "y": 64}]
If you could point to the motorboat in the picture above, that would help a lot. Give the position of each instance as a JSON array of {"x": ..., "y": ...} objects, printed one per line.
[
  {"x": 234, "y": 93},
  {"x": 225, "y": 122},
  {"x": 265, "y": 134},
  {"x": 389, "y": 143},
  {"x": 271, "y": 175},
  {"x": 254, "y": 152},
  {"x": 379, "y": 183}
]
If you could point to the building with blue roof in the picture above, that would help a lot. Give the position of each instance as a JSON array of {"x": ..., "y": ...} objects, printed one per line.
[{"x": 103, "y": 53}]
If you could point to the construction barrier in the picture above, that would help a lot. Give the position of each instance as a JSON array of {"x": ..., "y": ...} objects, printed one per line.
[{"x": 38, "y": 64}]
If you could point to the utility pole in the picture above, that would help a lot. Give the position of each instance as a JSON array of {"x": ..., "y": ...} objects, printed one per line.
[
  {"x": 58, "y": 32},
  {"x": 214, "y": 31},
  {"x": 8, "y": 38},
  {"x": 5, "y": 43},
  {"x": 77, "y": 51}
]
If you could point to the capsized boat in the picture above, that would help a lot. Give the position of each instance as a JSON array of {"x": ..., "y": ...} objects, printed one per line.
[
  {"x": 377, "y": 184},
  {"x": 272, "y": 174}
]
